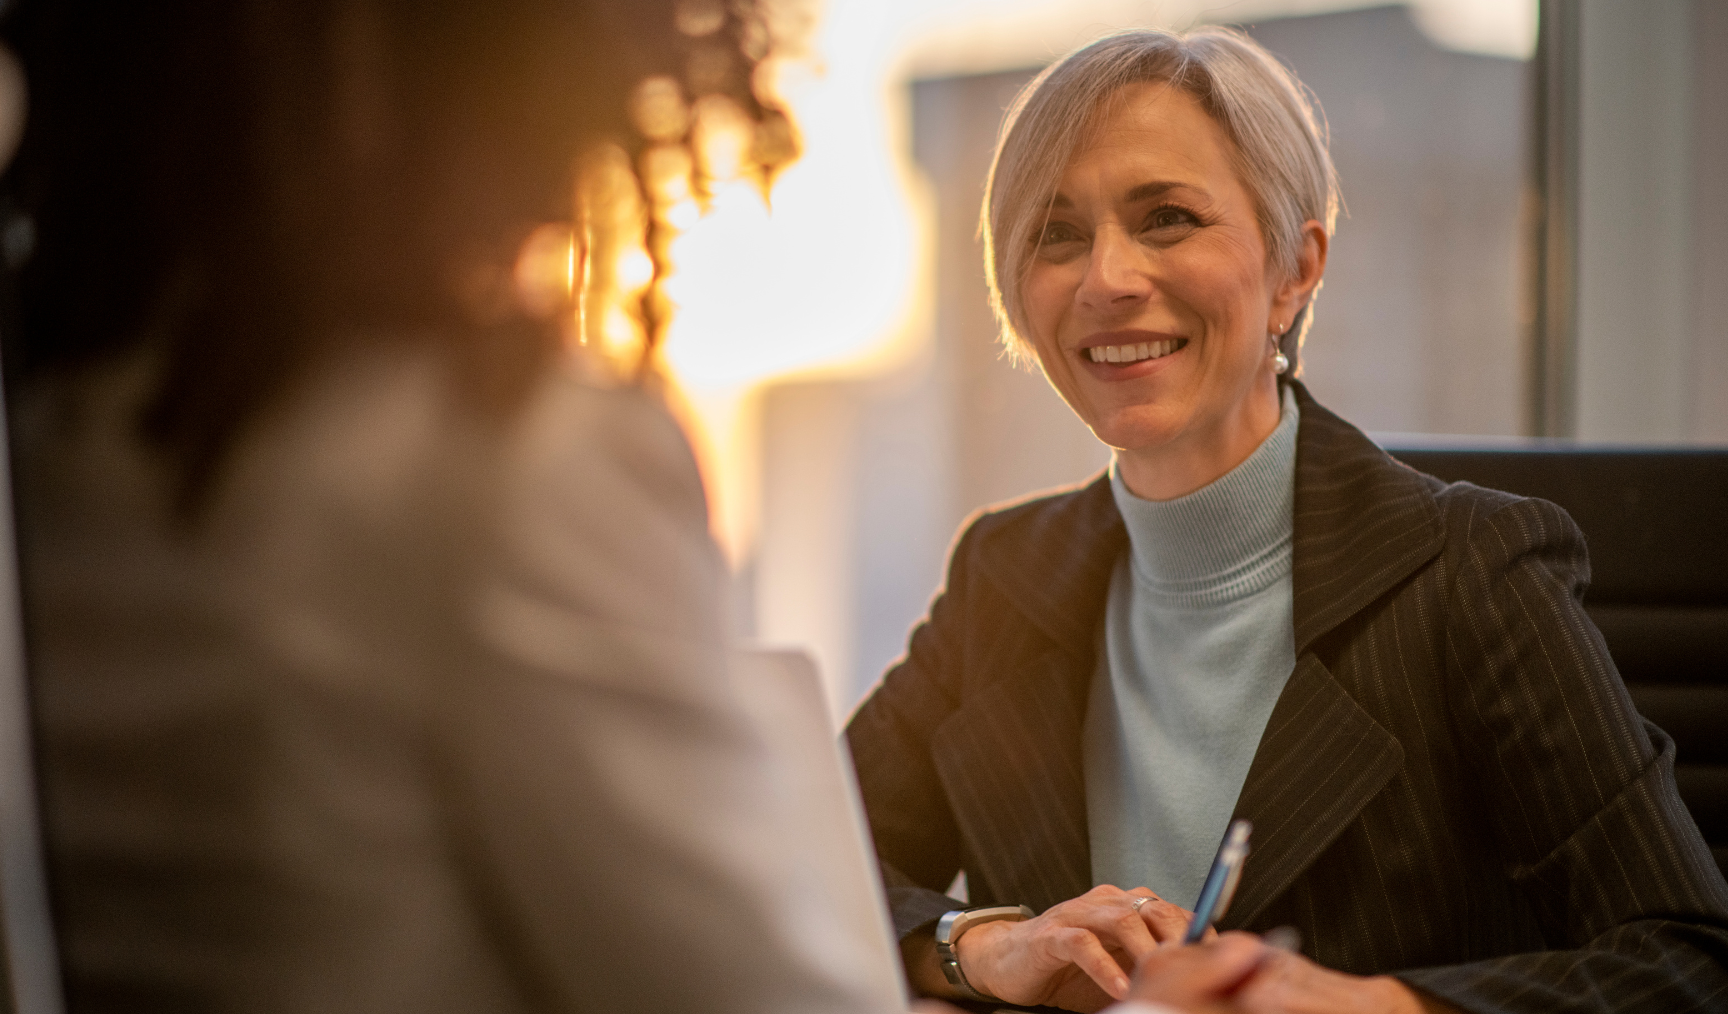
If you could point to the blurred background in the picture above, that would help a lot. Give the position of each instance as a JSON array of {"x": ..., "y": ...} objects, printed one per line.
[{"x": 1535, "y": 247}]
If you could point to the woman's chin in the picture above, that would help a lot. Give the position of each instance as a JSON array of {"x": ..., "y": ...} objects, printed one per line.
[
  {"x": 1137, "y": 436},
  {"x": 1137, "y": 429}
]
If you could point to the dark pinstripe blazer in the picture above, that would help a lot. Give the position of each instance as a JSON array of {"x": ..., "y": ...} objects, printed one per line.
[{"x": 1453, "y": 786}]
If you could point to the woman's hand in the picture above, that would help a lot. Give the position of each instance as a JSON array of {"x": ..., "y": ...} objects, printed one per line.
[
  {"x": 1240, "y": 974},
  {"x": 1201, "y": 979},
  {"x": 1075, "y": 955},
  {"x": 1287, "y": 983}
]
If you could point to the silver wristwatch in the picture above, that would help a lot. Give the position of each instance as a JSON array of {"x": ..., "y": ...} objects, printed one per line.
[{"x": 948, "y": 931}]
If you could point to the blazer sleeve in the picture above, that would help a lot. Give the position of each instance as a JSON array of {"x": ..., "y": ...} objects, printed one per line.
[
  {"x": 891, "y": 737},
  {"x": 1581, "y": 790}
]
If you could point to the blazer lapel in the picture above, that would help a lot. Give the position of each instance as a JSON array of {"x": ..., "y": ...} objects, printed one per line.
[
  {"x": 1010, "y": 758},
  {"x": 1320, "y": 761},
  {"x": 1363, "y": 523}
]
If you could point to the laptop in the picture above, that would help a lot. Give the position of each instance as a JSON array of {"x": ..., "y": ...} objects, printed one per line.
[{"x": 835, "y": 867}]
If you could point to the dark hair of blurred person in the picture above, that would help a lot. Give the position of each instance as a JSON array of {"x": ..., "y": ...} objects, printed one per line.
[
  {"x": 232, "y": 184},
  {"x": 374, "y": 631}
]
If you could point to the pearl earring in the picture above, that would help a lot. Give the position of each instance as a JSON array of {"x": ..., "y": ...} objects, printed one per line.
[{"x": 1280, "y": 363}]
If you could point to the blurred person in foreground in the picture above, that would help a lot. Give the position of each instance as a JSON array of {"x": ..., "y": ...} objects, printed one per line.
[
  {"x": 375, "y": 631},
  {"x": 1255, "y": 613}
]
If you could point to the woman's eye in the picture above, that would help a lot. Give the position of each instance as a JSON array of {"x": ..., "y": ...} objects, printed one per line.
[
  {"x": 1170, "y": 217},
  {"x": 1056, "y": 233}
]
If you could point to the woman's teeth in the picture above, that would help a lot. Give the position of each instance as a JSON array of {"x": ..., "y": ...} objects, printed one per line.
[{"x": 1134, "y": 353}]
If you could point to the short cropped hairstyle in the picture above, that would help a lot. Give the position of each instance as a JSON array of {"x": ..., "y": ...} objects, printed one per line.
[{"x": 1278, "y": 134}]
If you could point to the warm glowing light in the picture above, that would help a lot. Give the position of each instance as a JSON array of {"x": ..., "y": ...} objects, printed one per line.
[
  {"x": 544, "y": 275},
  {"x": 658, "y": 109},
  {"x": 700, "y": 17},
  {"x": 610, "y": 260},
  {"x": 635, "y": 269},
  {"x": 683, "y": 215},
  {"x": 825, "y": 281},
  {"x": 620, "y": 333},
  {"x": 826, "y": 278},
  {"x": 666, "y": 171},
  {"x": 723, "y": 136}
]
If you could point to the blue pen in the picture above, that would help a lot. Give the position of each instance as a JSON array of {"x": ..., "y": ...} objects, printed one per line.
[{"x": 1221, "y": 881}]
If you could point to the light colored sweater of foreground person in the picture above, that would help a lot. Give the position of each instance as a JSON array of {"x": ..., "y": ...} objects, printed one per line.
[{"x": 421, "y": 711}]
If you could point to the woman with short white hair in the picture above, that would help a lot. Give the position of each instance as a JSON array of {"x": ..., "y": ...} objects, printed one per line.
[{"x": 1256, "y": 614}]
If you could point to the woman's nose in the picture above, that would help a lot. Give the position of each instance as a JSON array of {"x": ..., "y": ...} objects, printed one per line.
[{"x": 1115, "y": 271}]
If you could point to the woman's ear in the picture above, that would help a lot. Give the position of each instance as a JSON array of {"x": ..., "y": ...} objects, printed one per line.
[{"x": 1297, "y": 289}]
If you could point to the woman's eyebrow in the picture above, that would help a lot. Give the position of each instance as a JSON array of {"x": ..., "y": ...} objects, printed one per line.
[
  {"x": 1142, "y": 192},
  {"x": 1157, "y": 188}
]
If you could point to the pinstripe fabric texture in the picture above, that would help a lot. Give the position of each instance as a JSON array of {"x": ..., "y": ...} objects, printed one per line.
[{"x": 1453, "y": 786}]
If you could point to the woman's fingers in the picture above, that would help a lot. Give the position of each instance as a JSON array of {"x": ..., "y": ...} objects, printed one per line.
[
  {"x": 1289, "y": 982},
  {"x": 1112, "y": 915},
  {"x": 1031, "y": 962},
  {"x": 1082, "y": 949},
  {"x": 1166, "y": 922},
  {"x": 1099, "y": 935},
  {"x": 1194, "y": 976}
]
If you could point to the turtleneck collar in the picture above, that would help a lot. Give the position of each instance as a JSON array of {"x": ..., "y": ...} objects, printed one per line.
[{"x": 1224, "y": 541}]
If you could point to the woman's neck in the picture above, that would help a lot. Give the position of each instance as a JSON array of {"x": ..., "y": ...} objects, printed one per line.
[{"x": 1202, "y": 456}]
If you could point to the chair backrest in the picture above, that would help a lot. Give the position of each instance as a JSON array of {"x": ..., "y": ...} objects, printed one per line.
[
  {"x": 31, "y": 968},
  {"x": 1656, "y": 522}
]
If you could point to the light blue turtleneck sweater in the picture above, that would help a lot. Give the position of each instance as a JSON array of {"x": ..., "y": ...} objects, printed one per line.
[{"x": 1198, "y": 642}]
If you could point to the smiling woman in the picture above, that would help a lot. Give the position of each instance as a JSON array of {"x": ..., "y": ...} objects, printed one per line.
[
  {"x": 1150, "y": 298},
  {"x": 1256, "y": 615}
]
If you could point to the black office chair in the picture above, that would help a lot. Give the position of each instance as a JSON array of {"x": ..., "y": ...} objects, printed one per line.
[{"x": 1656, "y": 522}]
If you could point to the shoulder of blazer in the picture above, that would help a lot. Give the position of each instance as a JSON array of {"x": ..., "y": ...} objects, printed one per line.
[
  {"x": 1364, "y": 521},
  {"x": 1051, "y": 556},
  {"x": 1497, "y": 527}
]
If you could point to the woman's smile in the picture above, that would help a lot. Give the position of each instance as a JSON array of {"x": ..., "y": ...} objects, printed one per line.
[{"x": 1115, "y": 353}]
